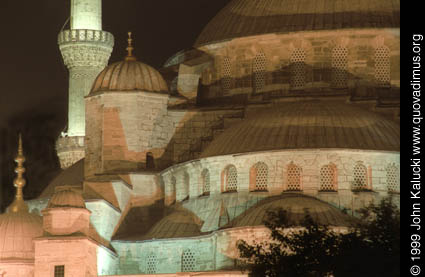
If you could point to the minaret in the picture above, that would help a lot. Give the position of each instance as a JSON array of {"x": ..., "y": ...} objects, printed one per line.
[{"x": 85, "y": 50}]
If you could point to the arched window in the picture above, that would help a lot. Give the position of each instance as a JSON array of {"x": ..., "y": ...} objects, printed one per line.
[
  {"x": 339, "y": 67},
  {"x": 382, "y": 66},
  {"x": 186, "y": 185},
  {"x": 293, "y": 177},
  {"x": 298, "y": 68},
  {"x": 259, "y": 71},
  {"x": 226, "y": 73},
  {"x": 205, "y": 182},
  {"x": 151, "y": 262},
  {"x": 150, "y": 162},
  {"x": 229, "y": 179},
  {"x": 188, "y": 261},
  {"x": 393, "y": 178},
  {"x": 359, "y": 176},
  {"x": 259, "y": 177},
  {"x": 328, "y": 178}
]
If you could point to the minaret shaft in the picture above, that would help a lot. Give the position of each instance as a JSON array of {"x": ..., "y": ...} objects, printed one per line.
[
  {"x": 85, "y": 50},
  {"x": 86, "y": 14}
]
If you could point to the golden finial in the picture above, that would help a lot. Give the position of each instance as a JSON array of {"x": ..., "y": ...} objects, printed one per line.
[
  {"x": 18, "y": 204},
  {"x": 130, "y": 49}
]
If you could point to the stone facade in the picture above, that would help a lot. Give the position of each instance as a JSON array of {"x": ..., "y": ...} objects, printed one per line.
[{"x": 360, "y": 62}]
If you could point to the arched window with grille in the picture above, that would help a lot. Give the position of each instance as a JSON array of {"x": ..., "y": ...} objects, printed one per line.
[
  {"x": 328, "y": 178},
  {"x": 229, "y": 179},
  {"x": 186, "y": 185},
  {"x": 259, "y": 65},
  {"x": 151, "y": 264},
  {"x": 226, "y": 73},
  {"x": 382, "y": 66},
  {"x": 293, "y": 177},
  {"x": 359, "y": 177},
  {"x": 205, "y": 182},
  {"x": 188, "y": 262},
  {"x": 259, "y": 177},
  {"x": 393, "y": 178},
  {"x": 298, "y": 68},
  {"x": 339, "y": 66}
]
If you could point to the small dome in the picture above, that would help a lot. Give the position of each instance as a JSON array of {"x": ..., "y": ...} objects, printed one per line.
[
  {"x": 129, "y": 75},
  {"x": 307, "y": 125},
  {"x": 297, "y": 206},
  {"x": 242, "y": 18},
  {"x": 17, "y": 231},
  {"x": 66, "y": 198}
]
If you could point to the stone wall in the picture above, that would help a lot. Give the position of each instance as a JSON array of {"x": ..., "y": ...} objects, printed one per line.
[
  {"x": 309, "y": 60},
  {"x": 345, "y": 194},
  {"x": 78, "y": 255}
]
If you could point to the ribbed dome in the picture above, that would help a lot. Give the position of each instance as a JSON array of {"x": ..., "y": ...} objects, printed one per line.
[
  {"x": 66, "y": 198},
  {"x": 297, "y": 206},
  {"x": 242, "y": 18},
  {"x": 307, "y": 125},
  {"x": 17, "y": 231},
  {"x": 129, "y": 75}
]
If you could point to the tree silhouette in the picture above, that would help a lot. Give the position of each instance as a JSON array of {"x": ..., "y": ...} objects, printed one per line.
[{"x": 370, "y": 248}]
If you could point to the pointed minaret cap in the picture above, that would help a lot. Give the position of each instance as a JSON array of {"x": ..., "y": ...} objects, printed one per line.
[
  {"x": 18, "y": 205},
  {"x": 130, "y": 49}
]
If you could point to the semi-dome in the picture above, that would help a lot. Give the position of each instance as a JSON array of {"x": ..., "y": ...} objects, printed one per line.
[
  {"x": 129, "y": 75},
  {"x": 297, "y": 207},
  {"x": 66, "y": 198},
  {"x": 241, "y": 18},
  {"x": 307, "y": 125},
  {"x": 17, "y": 231}
]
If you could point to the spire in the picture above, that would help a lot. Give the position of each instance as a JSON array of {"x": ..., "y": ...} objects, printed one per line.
[
  {"x": 18, "y": 204},
  {"x": 130, "y": 49}
]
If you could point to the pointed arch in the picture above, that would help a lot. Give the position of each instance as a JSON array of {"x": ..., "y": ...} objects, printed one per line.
[
  {"x": 293, "y": 177},
  {"x": 328, "y": 178},
  {"x": 298, "y": 68},
  {"x": 393, "y": 178},
  {"x": 229, "y": 179},
  {"x": 259, "y": 177}
]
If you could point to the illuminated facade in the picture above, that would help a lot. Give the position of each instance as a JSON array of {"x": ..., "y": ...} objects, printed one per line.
[{"x": 279, "y": 104}]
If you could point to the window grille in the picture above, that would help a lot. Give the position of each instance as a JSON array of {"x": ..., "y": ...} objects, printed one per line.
[
  {"x": 151, "y": 262},
  {"x": 382, "y": 66},
  {"x": 59, "y": 271},
  {"x": 339, "y": 66},
  {"x": 261, "y": 176},
  {"x": 328, "y": 178},
  {"x": 205, "y": 176},
  {"x": 294, "y": 177},
  {"x": 226, "y": 72},
  {"x": 393, "y": 179},
  {"x": 188, "y": 261},
  {"x": 259, "y": 71},
  {"x": 231, "y": 178},
  {"x": 360, "y": 176},
  {"x": 298, "y": 68}
]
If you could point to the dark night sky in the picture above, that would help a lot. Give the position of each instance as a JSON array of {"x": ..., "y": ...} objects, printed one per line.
[{"x": 34, "y": 81}]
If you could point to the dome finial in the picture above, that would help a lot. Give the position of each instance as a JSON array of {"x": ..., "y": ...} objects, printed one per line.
[
  {"x": 130, "y": 49},
  {"x": 18, "y": 204}
]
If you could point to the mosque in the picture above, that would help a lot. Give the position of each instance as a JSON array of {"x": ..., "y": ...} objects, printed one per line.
[{"x": 279, "y": 104}]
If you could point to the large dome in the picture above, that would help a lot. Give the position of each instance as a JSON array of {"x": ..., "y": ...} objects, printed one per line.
[
  {"x": 297, "y": 207},
  {"x": 307, "y": 125},
  {"x": 129, "y": 75},
  {"x": 17, "y": 231},
  {"x": 241, "y": 18}
]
